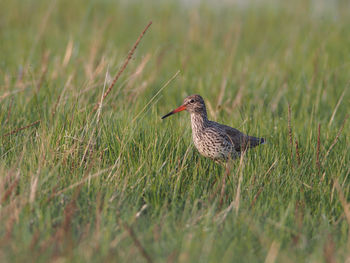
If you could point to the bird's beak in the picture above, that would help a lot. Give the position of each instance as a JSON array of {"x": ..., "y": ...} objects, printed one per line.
[{"x": 181, "y": 108}]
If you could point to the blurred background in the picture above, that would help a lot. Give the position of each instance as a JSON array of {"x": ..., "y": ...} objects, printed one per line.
[{"x": 208, "y": 41}]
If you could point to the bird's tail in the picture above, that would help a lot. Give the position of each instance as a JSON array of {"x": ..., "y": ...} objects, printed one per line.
[{"x": 254, "y": 141}]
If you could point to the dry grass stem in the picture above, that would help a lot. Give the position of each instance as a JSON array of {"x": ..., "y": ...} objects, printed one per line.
[
  {"x": 85, "y": 179},
  {"x": 33, "y": 188},
  {"x": 297, "y": 151},
  {"x": 150, "y": 101},
  {"x": 9, "y": 190},
  {"x": 238, "y": 193},
  {"x": 221, "y": 95},
  {"x": 273, "y": 252},
  {"x": 335, "y": 139},
  {"x": 136, "y": 241},
  {"x": 262, "y": 187},
  {"x": 256, "y": 196},
  {"x": 318, "y": 148},
  {"x": 102, "y": 97},
  {"x": 343, "y": 201},
  {"x": 68, "y": 53},
  {"x": 223, "y": 185},
  {"x": 336, "y": 107},
  {"x": 9, "y": 111},
  {"x": 329, "y": 250},
  {"x": 66, "y": 85},
  {"x": 345, "y": 205},
  {"x": 22, "y": 128},
  {"x": 44, "y": 67},
  {"x": 131, "y": 52}
]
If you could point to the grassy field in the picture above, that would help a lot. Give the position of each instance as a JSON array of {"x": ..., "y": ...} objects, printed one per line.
[{"x": 120, "y": 184}]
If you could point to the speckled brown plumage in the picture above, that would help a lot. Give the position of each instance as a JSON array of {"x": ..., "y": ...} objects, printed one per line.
[{"x": 214, "y": 140}]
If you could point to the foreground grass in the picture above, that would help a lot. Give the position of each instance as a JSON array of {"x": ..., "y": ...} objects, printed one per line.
[{"x": 120, "y": 184}]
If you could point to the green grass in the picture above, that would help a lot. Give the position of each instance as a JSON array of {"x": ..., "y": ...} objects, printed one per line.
[{"x": 78, "y": 188}]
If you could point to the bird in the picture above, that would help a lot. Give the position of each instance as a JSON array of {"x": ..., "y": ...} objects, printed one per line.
[{"x": 214, "y": 140}]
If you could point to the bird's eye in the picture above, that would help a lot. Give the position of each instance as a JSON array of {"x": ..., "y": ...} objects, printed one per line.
[{"x": 191, "y": 101}]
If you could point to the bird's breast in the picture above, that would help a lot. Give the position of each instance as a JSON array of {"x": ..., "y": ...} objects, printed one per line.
[{"x": 211, "y": 144}]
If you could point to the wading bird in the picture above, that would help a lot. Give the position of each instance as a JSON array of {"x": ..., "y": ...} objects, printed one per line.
[{"x": 214, "y": 140}]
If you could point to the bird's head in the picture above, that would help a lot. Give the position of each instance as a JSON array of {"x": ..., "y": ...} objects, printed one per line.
[{"x": 192, "y": 104}]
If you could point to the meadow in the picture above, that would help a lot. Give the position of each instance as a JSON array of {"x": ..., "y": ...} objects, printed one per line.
[{"x": 118, "y": 184}]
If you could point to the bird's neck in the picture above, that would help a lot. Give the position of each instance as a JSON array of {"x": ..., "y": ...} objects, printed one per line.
[{"x": 199, "y": 121}]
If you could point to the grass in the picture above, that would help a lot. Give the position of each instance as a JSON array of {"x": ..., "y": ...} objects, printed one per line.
[{"x": 120, "y": 184}]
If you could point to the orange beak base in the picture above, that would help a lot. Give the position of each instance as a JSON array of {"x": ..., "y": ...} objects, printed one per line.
[{"x": 181, "y": 108}]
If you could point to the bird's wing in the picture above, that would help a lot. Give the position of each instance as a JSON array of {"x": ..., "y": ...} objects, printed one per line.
[
  {"x": 240, "y": 140},
  {"x": 235, "y": 136}
]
